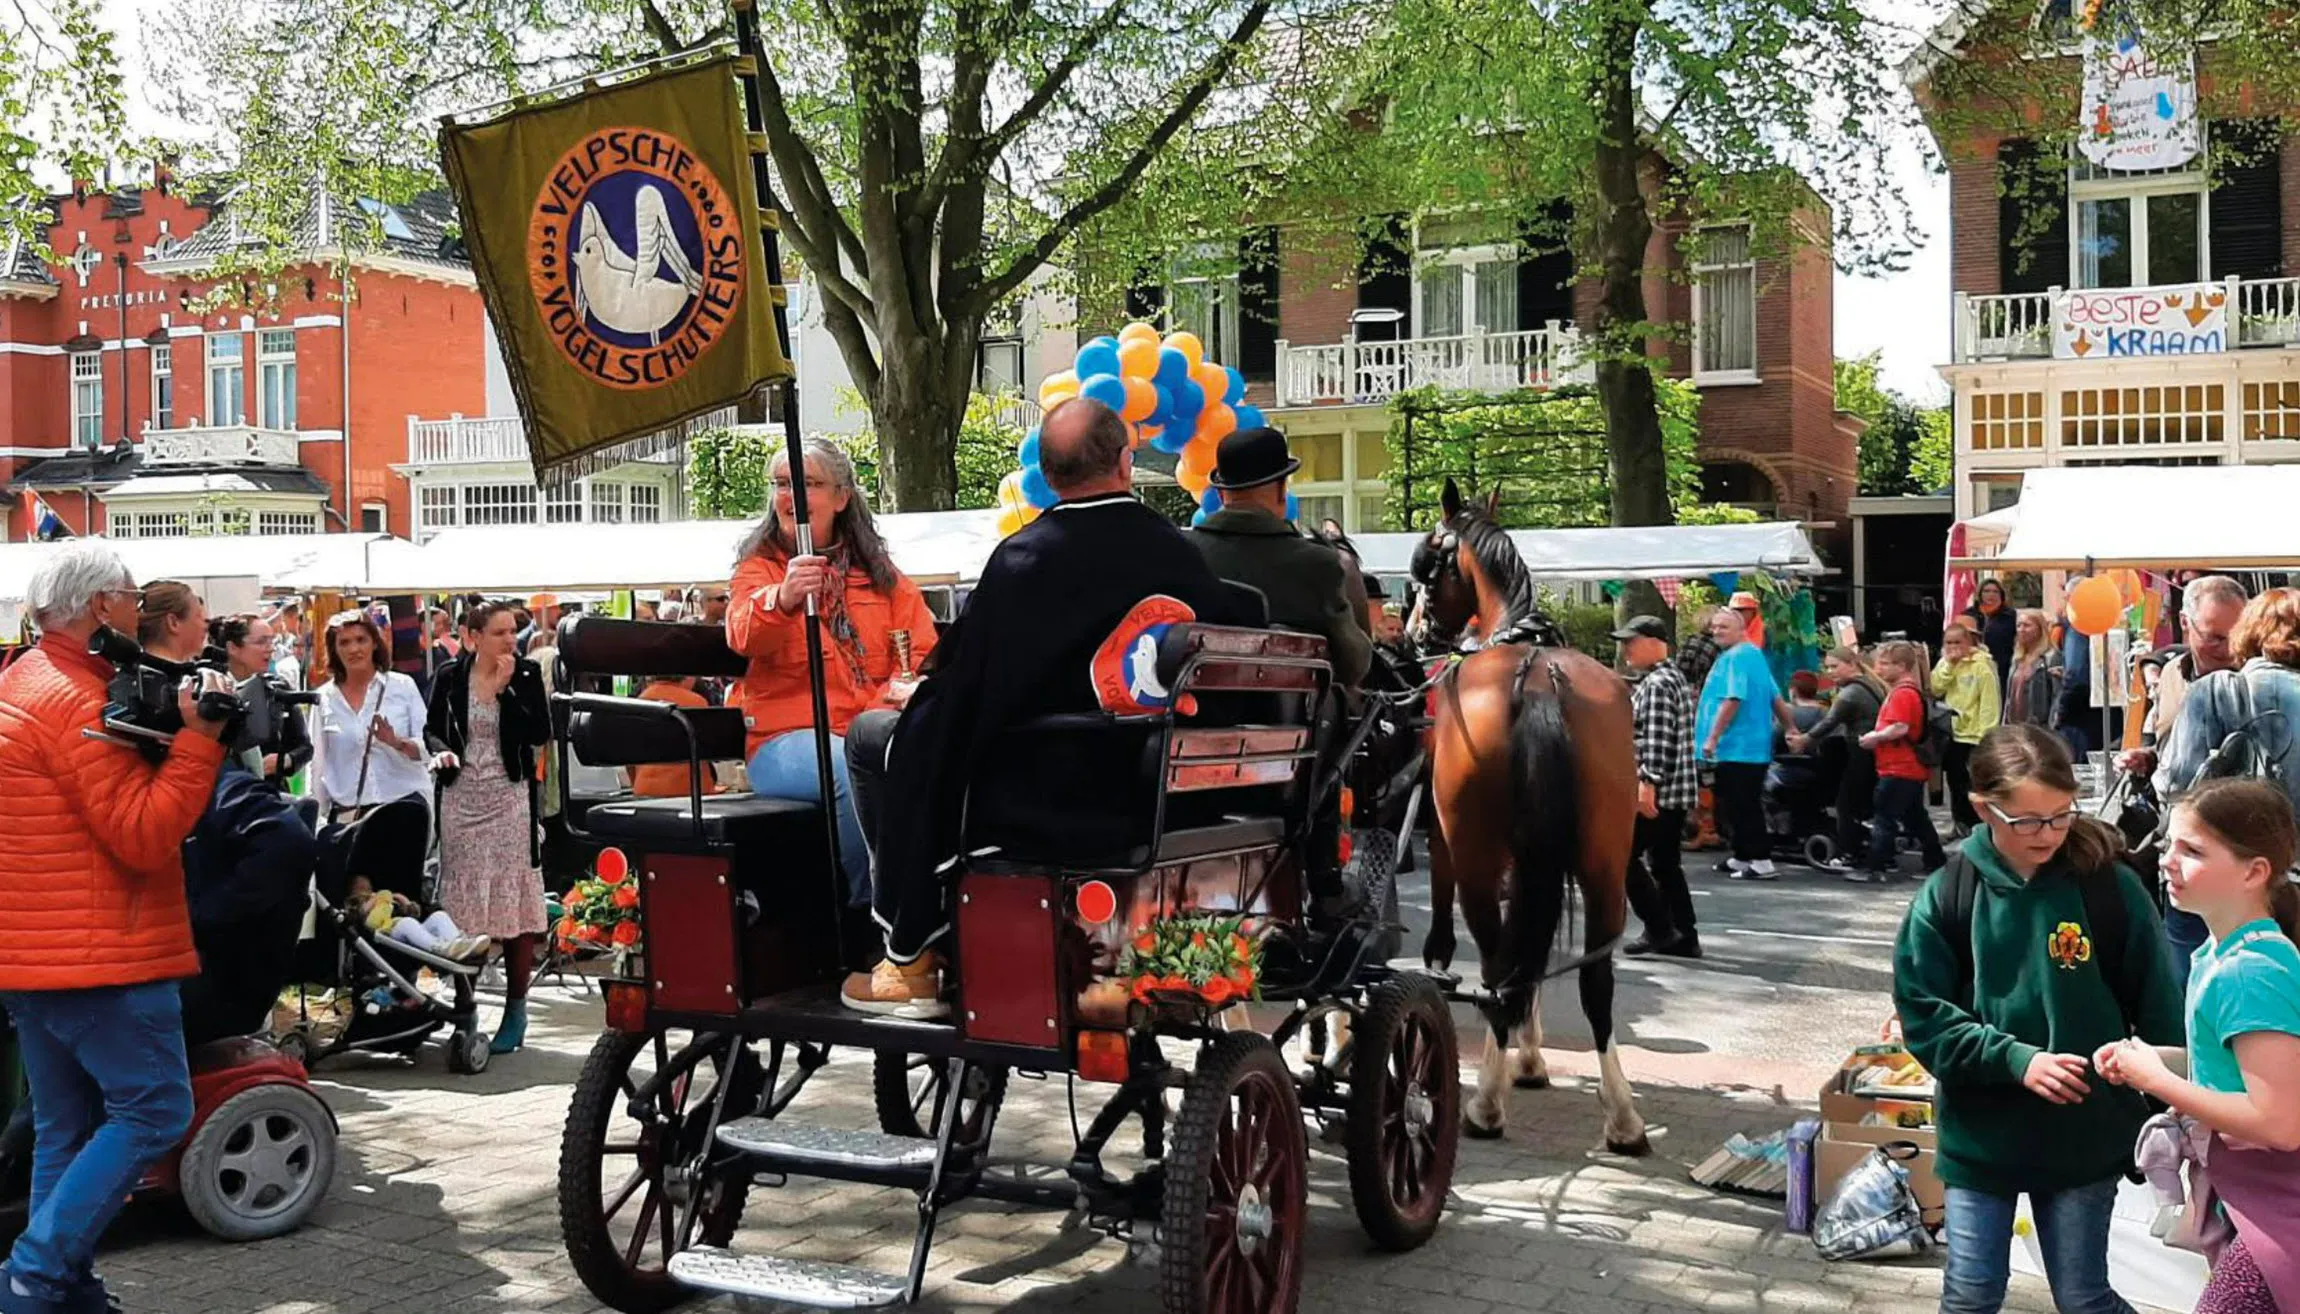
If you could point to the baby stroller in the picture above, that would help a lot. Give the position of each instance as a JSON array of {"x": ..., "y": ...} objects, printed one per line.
[
  {"x": 369, "y": 997},
  {"x": 1800, "y": 801}
]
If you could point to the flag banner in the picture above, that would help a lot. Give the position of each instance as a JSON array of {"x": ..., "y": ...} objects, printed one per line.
[
  {"x": 2139, "y": 106},
  {"x": 615, "y": 236}
]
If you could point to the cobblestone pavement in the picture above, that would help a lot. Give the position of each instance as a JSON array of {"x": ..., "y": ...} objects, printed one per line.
[{"x": 444, "y": 1204}]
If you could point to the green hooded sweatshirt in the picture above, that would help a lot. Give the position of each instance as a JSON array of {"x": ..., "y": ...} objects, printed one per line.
[{"x": 2038, "y": 987}]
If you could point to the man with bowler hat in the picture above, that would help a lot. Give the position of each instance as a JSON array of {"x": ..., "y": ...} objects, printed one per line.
[{"x": 1250, "y": 541}]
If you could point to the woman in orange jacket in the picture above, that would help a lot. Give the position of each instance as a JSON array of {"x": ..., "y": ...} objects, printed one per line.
[{"x": 869, "y": 611}]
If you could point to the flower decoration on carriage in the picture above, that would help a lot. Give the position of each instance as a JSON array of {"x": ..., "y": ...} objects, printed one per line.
[
  {"x": 602, "y": 910},
  {"x": 1214, "y": 957}
]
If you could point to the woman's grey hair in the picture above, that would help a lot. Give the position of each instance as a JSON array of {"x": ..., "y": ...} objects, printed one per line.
[
  {"x": 855, "y": 527},
  {"x": 71, "y": 575}
]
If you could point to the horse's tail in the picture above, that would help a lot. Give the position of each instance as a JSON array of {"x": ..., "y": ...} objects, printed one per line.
[{"x": 1545, "y": 834}]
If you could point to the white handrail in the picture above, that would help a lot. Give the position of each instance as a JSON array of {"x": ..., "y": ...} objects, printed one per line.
[
  {"x": 1374, "y": 371},
  {"x": 236, "y": 444}
]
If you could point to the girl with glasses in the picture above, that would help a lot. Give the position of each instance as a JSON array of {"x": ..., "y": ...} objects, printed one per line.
[{"x": 2031, "y": 948}]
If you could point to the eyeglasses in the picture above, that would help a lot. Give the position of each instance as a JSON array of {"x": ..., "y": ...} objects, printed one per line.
[
  {"x": 782, "y": 484},
  {"x": 136, "y": 593},
  {"x": 2034, "y": 825}
]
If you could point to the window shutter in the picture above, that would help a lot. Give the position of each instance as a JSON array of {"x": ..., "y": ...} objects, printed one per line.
[
  {"x": 1385, "y": 270},
  {"x": 2032, "y": 218},
  {"x": 1258, "y": 304},
  {"x": 2248, "y": 202},
  {"x": 1545, "y": 269}
]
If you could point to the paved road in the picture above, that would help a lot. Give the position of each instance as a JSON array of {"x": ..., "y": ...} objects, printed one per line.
[{"x": 444, "y": 1200}]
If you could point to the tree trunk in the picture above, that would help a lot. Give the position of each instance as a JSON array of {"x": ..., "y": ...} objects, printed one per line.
[
  {"x": 1634, "y": 456},
  {"x": 917, "y": 423}
]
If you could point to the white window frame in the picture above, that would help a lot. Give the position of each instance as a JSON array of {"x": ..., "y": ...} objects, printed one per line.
[
  {"x": 2086, "y": 184},
  {"x": 382, "y": 512},
  {"x": 1460, "y": 262},
  {"x": 645, "y": 504},
  {"x": 562, "y": 504},
  {"x": 88, "y": 400},
  {"x": 1220, "y": 329},
  {"x": 163, "y": 386},
  {"x": 1700, "y": 267},
  {"x": 437, "y": 507},
  {"x": 1350, "y": 488},
  {"x": 1009, "y": 347},
  {"x": 287, "y": 522},
  {"x": 227, "y": 380},
  {"x": 605, "y": 495},
  {"x": 276, "y": 379}
]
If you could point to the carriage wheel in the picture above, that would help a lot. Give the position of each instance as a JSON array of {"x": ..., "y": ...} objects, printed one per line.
[
  {"x": 1405, "y": 1112},
  {"x": 624, "y": 1182},
  {"x": 908, "y": 1090},
  {"x": 1236, "y": 1185}
]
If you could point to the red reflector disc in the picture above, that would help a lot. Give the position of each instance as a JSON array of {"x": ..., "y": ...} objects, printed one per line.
[
  {"x": 1097, "y": 902},
  {"x": 612, "y": 866}
]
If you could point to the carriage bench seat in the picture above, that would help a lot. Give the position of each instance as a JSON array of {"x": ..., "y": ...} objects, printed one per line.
[
  {"x": 731, "y": 820},
  {"x": 1177, "y": 845}
]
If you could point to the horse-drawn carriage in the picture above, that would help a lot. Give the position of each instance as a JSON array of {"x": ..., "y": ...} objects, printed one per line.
[{"x": 1128, "y": 937}]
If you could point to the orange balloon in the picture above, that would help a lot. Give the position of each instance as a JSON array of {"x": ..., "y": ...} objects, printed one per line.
[
  {"x": 1137, "y": 332},
  {"x": 1010, "y": 520},
  {"x": 1188, "y": 344},
  {"x": 2094, "y": 606},
  {"x": 1196, "y": 461},
  {"x": 1143, "y": 433},
  {"x": 1010, "y": 496},
  {"x": 1057, "y": 389},
  {"x": 1138, "y": 359},
  {"x": 1213, "y": 379},
  {"x": 1141, "y": 399},
  {"x": 2127, "y": 586},
  {"x": 1194, "y": 482},
  {"x": 1215, "y": 423}
]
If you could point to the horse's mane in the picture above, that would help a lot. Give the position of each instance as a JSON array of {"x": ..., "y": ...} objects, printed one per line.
[{"x": 1498, "y": 561}]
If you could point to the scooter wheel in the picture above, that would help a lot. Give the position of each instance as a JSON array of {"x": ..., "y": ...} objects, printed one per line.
[
  {"x": 260, "y": 1164},
  {"x": 1820, "y": 850}
]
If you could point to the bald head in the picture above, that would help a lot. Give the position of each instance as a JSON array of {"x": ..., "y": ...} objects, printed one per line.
[{"x": 1083, "y": 450}]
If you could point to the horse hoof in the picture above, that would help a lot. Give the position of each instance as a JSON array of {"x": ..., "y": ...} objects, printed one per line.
[
  {"x": 1478, "y": 1132},
  {"x": 1636, "y": 1149},
  {"x": 1531, "y": 1083}
]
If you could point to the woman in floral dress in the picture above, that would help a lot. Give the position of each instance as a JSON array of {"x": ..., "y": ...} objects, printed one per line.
[{"x": 488, "y": 719}]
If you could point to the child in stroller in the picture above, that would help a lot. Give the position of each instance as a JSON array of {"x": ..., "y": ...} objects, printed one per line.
[
  {"x": 1801, "y": 787},
  {"x": 397, "y": 917}
]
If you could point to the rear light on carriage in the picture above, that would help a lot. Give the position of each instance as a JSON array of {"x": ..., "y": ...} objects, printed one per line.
[
  {"x": 1349, "y": 803},
  {"x": 626, "y": 1006},
  {"x": 1102, "y": 1056},
  {"x": 1344, "y": 847},
  {"x": 1096, "y": 902}
]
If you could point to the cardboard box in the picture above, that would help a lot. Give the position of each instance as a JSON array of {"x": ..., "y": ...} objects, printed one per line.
[{"x": 1847, "y": 1134}]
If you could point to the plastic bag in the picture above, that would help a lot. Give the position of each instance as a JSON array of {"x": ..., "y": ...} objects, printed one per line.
[{"x": 1873, "y": 1214}]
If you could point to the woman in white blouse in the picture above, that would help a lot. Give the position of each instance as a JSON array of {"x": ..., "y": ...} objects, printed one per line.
[{"x": 369, "y": 723}]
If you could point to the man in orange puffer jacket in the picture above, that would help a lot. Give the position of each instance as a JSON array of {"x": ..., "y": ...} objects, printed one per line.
[{"x": 99, "y": 937}]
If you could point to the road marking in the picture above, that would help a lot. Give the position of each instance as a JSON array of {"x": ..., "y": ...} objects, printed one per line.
[{"x": 1819, "y": 939}]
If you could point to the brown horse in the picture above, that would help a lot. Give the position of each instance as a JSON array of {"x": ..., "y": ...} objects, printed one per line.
[{"x": 1534, "y": 777}]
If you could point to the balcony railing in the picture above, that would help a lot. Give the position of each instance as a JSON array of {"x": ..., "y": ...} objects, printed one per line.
[
  {"x": 2262, "y": 312},
  {"x": 1347, "y": 372},
  {"x": 483, "y": 440},
  {"x": 236, "y": 444}
]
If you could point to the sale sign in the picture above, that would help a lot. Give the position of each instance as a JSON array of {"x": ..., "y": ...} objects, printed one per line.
[
  {"x": 2121, "y": 322},
  {"x": 2139, "y": 109}
]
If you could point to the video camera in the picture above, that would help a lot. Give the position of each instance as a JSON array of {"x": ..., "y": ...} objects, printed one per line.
[{"x": 142, "y": 710}]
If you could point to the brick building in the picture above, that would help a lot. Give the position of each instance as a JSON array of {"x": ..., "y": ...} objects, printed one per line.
[
  {"x": 1326, "y": 330},
  {"x": 127, "y": 410},
  {"x": 2044, "y": 238}
]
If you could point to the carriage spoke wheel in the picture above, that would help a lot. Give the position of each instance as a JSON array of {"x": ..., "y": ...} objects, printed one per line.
[
  {"x": 625, "y": 1180},
  {"x": 1236, "y": 1185},
  {"x": 1404, "y": 1112},
  {"x": 907, "y": 1088}
]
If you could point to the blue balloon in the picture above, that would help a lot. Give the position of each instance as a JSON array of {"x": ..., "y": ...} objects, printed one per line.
[
  {"x": 1173, "y": 438},
  {"x": 1027, "y": 454},
  {"x": 1187, "y": 401},
  {"x": 1035, "y": 489},
  {"x": 1237, "y": 390},
  {"x": 1251, "y": 417},
  {"x": 1106, "y": 388},
  {"x": 1173, "y": 369},
  {"x": 1161, "y": 412},
  {"x": 1293, "y": 507},
  {"x": 1211, "y": 501},
  {"x": 1098, "y": 357},
  {"x": 1198, "y": 518}
]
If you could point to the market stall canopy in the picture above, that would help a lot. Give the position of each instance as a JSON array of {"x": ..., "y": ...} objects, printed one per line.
[
  {"x": 1648, "y": 552},
  {"x": 296, "y": 563},
  {"x": 932, "y": 547},
  {"x": 2083, "y": 518}
]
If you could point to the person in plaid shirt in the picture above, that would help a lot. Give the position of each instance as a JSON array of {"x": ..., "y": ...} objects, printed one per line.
[{"x": 1667, "y": 786}]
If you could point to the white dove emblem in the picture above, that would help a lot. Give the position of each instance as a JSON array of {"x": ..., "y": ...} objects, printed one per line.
[
  {"x": 1145, "y": 688},
  {"x": 627, "y": 290}
]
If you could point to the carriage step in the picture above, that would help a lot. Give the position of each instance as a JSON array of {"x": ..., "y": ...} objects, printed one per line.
[
  {"x": 801, "y": 1146},
  {"x": 806, "y": 1282}
]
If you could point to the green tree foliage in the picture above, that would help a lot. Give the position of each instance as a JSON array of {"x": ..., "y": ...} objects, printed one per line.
[
  {"x": 63, "y": 106},
  {"x": 727, "y": 470},
  {"x": 1906, "y": 448}
]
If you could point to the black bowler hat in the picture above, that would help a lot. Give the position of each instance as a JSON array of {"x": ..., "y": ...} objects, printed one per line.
[
  {"x": 1250, "y": 458},
  {"x": 1643, "y": 627}
]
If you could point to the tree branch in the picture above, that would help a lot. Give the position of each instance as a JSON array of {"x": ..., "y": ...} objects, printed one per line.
[
  {"x": 968, "y": 147},
  {"x": 815, "y": 206},
  {"x": 998, "y": 288},
  {"x": 846, "y": 329},
  {"x": 660, "y": 28}
]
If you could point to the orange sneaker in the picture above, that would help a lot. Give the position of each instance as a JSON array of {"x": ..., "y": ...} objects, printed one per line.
[{"x": 912, "y": 990}]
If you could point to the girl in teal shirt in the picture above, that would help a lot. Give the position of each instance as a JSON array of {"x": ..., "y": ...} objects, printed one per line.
[{"x": 2229, "y": 862}]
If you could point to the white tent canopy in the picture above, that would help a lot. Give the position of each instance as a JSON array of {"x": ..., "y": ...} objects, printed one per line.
[
  {"x": 1651, "y": 552},
  {"x": 294, "y": 562},
  {"x": 2083, "y": 518},
  {"x": 932, "y": 547}
]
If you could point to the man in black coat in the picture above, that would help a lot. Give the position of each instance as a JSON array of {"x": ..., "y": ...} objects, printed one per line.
[
  {"x": 1052, "y": 627},
  {"x": 1251, "y": 542},
  {"x": 247, "y": 879}
]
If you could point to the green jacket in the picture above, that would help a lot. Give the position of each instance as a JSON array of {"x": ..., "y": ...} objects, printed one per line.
[
  {"x": 1308, "y": 586},
  {"x": 2038, "y": 987}
]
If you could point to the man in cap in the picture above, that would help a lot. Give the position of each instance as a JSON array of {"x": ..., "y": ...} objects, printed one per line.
[
  {"x": 1250, "y": 541},
  {"x": 1668, "y": 784}
]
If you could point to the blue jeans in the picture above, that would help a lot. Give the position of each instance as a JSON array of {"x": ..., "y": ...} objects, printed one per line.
[
  {"x": 784, "y": 767},
  {"x": 111, "y": 1095},
  {"x": 2071, "y": 1234},
  {"x": 2186, "y": 932}
]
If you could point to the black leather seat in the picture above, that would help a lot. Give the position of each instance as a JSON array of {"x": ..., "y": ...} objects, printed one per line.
[{"x": 728, "y": 819}]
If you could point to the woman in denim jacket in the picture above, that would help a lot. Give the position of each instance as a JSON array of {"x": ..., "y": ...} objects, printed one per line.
[{"x": 2262, "y": 695}]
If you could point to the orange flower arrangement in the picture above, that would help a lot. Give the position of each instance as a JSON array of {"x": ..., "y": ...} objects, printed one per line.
[
  {"x": 602, "y": 910},
  {"x": 1212, "y": 956}
]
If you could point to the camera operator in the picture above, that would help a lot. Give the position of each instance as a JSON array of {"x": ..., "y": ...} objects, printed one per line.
[
  {"x": 100, "y": 936},
  {"x": 280, "y": 739}
]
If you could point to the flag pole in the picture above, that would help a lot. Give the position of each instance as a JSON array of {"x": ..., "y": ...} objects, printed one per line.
[{"x": 754, "y": 123}]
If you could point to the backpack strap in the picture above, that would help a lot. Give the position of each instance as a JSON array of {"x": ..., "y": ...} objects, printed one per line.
[
  {"x": 1963, "y": 891},
  {"x": 2111, "y": 925}
]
